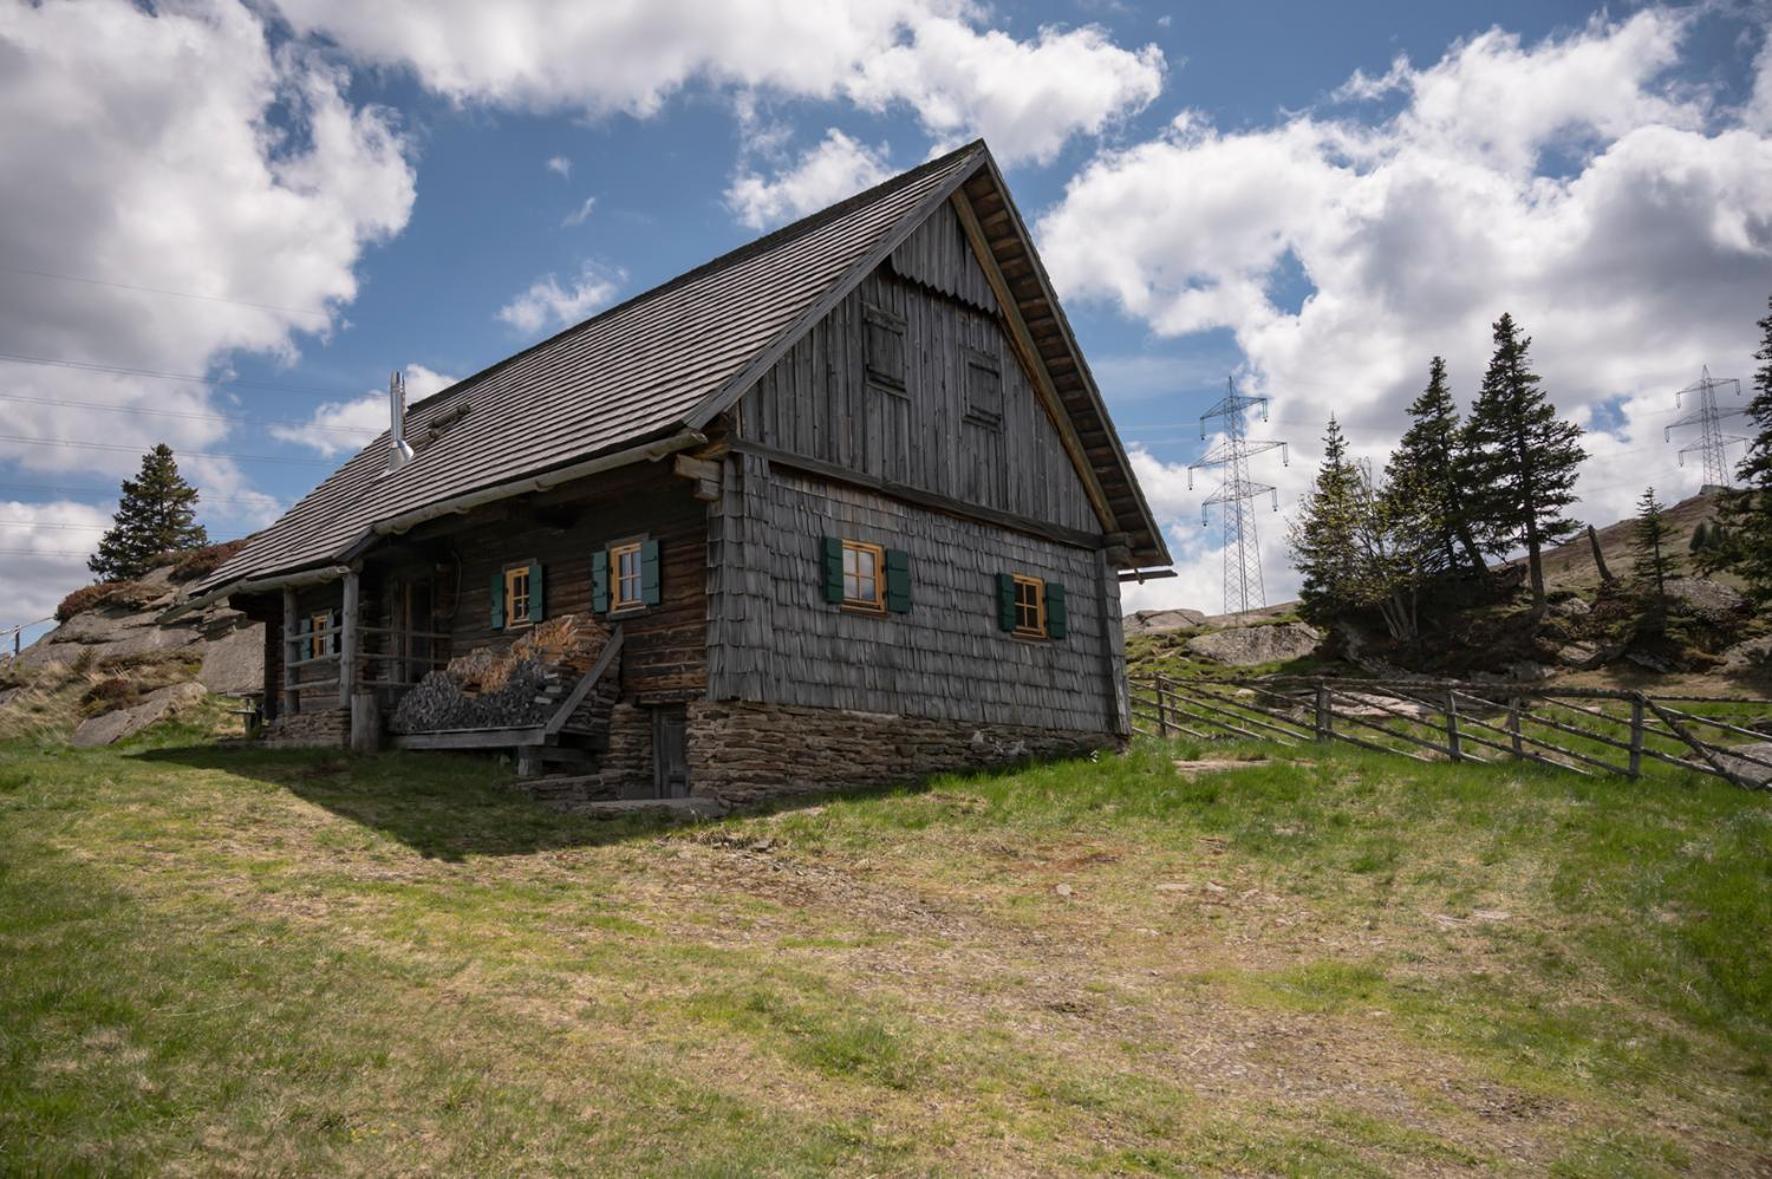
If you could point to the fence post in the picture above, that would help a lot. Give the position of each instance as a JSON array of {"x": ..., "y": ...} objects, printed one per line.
[
  {"x": 1513, "y": 725},
  {"x": 1636, "y": 735},
  {"x": 1162, "y": 685},
  {"x": 1325, "y": 714},
  {"x": 1454, "y": 748}
]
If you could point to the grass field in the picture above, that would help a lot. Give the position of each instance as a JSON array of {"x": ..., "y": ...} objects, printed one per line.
[{"x": 230, "y": 961}]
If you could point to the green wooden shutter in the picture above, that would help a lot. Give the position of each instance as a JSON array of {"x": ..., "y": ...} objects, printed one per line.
[
  {"x": 600, "y": 581},
  {"x": 334, "y": 620},
  {"x": 497, "y": 621},
  {"x": 898, "y": 581},
  {"x": 833, "y": 569},
  {"x": 537, "y": 606},
  {"x": 650, "y": 592},
  {"x": 1057, "y": 618},
  {"x": 1005, "y": 602}
]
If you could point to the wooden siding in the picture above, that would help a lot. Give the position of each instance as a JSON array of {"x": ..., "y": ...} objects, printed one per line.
[
  {"x": 773, "y": 638},
  {"x": 817, "y": 402},
  {"x": 664, "y": 646},
  {"x": 939, "y": 256}
]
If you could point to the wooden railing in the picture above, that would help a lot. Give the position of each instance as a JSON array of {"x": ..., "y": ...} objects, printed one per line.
[{"x": 1585, "y": 730}]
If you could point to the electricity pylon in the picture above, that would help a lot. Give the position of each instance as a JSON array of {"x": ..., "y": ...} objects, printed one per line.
[
  {"x": 1712, "y": 443},
  {"x": 1243, "y": 589}
]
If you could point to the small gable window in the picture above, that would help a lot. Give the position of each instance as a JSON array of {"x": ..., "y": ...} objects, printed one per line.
[
  {"x": 984, "y": 390},
  {"x": 885, "y": 348}
]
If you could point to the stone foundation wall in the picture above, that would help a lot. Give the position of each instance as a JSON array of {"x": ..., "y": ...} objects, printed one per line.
[
  {"x": 626, "y": 765},
  {"x": 327, "y": 728},
  {"x": 741, "y": 752}
]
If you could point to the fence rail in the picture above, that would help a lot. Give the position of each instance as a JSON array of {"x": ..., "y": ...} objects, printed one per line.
[{"x": 1582, "y": 730}]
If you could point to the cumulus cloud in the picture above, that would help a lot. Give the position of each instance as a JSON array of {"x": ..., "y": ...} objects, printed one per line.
[
  {"x": 1624, "y": 219},
  {"x": 838, "y": 167},
  {"x": 547, "y": 304},
  {"x": 345, "y": 427},
  {"x": 933, "y": 57},
  {"x": 155, "y": 224},
  {"x": 45, "y": 547}
]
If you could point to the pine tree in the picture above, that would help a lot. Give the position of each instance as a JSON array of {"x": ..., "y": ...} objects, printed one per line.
[
  {"x": 1524, "y": 459},
  {"x": 1649, "y": 545},
  {"x": 1746, "y": 512},
  {"x": 155, "y": 515},
  {"x": 1325, "y": 537},
  {"x": 1700, "y": 538},
  {"x": 1426, "y": 499}
]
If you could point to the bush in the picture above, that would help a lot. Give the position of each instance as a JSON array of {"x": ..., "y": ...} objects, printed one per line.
[
  {"x": 107, "y": 695},
  {"x": 191, "y": 564}
]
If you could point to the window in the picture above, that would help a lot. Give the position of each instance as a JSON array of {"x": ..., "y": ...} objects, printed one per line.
[
  {"x": 322, "y": 641},
  {"x": 517, "y": 588},
  {"x": 984, "y": 390},
  {"x": 1030, "y": 607},
  {"x": 863, "y": 586},
  {"x": 625, "y": 582},
  {"x": 885, "y": 348}
]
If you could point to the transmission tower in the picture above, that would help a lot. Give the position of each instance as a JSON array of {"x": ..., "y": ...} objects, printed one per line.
[
  {"x": 1236, "y": 493},
  {"x": 1712, "y": 442}
]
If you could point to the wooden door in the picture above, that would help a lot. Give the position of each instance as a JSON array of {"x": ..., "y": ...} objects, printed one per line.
[{"x": 670, "y": 752}]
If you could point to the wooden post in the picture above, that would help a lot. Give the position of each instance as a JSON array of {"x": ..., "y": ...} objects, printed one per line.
[
  {"x": 1454, "y": 749},
  {"x": 291, "y": 696},
  {"x": 347, "y": 640},
  {"x": 1513, "y": 725},
  {"x": 1636, "y": 735},
  {"x": 1162, "y": 684},
  {"x": 1325, "y": 714}
]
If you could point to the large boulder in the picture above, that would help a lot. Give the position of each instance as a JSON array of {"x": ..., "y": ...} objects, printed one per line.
[
  {"x": 1144, "y": 622},
  {"x": 1710, "y": 600},
  {"x": 1751, "y": 656},
  {"x": 1247, "y": 646},
  {"x": 1755, "y": 771},
  {"x": 157, "y": 705}
]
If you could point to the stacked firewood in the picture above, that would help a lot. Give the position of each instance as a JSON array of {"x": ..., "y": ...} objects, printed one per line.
[{"x": 515, "y": 688}]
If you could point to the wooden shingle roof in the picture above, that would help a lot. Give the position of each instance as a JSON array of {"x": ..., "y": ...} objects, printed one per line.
[{"x": 667, "y": 360}]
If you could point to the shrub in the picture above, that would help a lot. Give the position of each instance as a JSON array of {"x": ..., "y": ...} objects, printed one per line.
[
  {"x": 83, "y": 599},
  {"x": 194, "y": 563},
  {"x": 106, "y": 695}
]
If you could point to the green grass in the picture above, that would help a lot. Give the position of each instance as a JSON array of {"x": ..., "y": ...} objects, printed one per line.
[{"x": 1341, "y": 964}]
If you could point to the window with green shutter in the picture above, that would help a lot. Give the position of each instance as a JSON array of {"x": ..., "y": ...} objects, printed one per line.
[
  {"x": 898, "y": 581},
  {"x": 497, "y": 619},
  {"x": 1031, "y": 607},
  {"x": 627, "y": 576},
  {"x": 517, "y": 596},
  {"x": 600, "y": 581}
]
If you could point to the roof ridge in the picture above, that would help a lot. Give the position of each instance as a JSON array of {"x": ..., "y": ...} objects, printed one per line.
[{"x": 724, "y": 261}]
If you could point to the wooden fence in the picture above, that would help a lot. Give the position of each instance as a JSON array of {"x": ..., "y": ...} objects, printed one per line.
[{"x": 1585, "y": 730}]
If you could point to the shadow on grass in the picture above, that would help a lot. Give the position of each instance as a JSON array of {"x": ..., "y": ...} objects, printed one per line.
[{"x": 443, "y": 806}]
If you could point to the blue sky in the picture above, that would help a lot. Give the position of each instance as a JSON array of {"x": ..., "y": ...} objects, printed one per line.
[{"x": 1314, "y": 198}]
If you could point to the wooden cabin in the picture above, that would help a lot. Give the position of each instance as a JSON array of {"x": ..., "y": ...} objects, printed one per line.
[{"x": 847, "y": 501}]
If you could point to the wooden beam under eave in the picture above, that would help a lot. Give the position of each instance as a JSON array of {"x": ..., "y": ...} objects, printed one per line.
[{"x": 1033, "y": 365}]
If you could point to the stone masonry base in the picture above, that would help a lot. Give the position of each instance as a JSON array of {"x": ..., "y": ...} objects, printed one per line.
[
  {"x": 327, "y": 728},
  {"x": 742, "y": 752}
]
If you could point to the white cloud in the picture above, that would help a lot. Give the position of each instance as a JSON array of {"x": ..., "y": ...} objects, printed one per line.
[
  {"x": 253, "y": 194},
  {"x": 581, "y": 214},
  {"x": 546, "y": 304},
  {"x": 560, "y": 166},
  {"x": 838, "y": 167},
  {"x": 45, "y": 547},
  {"x": 1624, "y": 220},
  {"x": 933, "y": 56},
  {"x": 345, "y": 427}
]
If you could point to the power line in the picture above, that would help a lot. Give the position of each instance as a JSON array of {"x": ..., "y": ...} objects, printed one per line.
[
  {"x": 192, "y": 378},
  {"x": 56, "y": 524},
  {"x": 45, "y": 552},
  {"x": 124, "y": 286},
  {"x": 68, "y": 489},
  {"x": 244, "y": 419},
  {"x": 1712, "y": 443},
  {"x": 1236, "y": 491}
]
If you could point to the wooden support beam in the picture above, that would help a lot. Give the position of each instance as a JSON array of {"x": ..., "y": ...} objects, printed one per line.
[
  {"x": 704, "y": 473},
  {"x": 291, "y": 694},
  {"x": 348, "y": 639}
]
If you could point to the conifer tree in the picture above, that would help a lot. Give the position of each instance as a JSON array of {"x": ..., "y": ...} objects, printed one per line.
[
  {"x": 1745, "y": 546},
  {"x": 1325, "y": 537},
  {"x": 1524, "y": 458},
  {"x": 1426, "y": 498},
  {"x": 1655, "y": 562},
  {"x": 155, "y": 515},
  {"x": 1700, "y": 538}
]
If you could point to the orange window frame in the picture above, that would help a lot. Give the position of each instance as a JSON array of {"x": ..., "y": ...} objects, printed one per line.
[
  {"x": 1036, "y": 627},
  {"x": 513, "y": 576},
  {"x": 626, "y": 554},
  {"x": 856, "y": 549}
]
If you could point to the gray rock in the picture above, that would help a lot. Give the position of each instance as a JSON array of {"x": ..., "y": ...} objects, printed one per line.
[
  {"x": 1753, "y": 655},
  {"x": 1246, "y": 646},
  {"x": 1571, "y": 608},
  {"x": 1144, "y": 622},
  {"x": 157, "y": 705},
  {"x": 1579, "y": 655},
  {"x": 1752, "y": 771},
  {"x": 234, "y": 664},
  {"x": 1528, "y": 672},
  {"x": 1710, "y": 600}
]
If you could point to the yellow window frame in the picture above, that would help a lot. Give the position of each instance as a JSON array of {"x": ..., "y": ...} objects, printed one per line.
[
  {"x": 877, "y": 553},
  {"x": 513, "y": 616},
  {"x": 619, "y": 597},
  {"x": 320, "y": 623},
  {"x": 1037, "y": 628}
]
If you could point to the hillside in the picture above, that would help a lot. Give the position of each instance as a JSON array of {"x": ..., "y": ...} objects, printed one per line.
[{"x": 251, "y": 962}]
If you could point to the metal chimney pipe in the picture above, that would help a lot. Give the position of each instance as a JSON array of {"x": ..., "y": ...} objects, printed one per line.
[{"x": 399, "y": 451}]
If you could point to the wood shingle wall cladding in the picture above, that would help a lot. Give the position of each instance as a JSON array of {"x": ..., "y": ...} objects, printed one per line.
[
  {"x": 939, "y": 428},
  {"x": 774, "y": 638}
]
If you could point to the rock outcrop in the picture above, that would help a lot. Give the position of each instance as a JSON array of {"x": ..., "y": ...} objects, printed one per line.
[
  {"x": 1144, "y": 622},
  {"x": 160, "y": 704},
  {"x": 1247, "y": 646}
]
